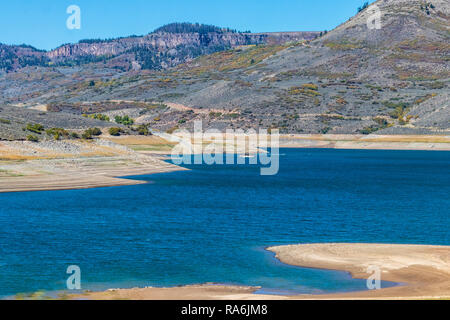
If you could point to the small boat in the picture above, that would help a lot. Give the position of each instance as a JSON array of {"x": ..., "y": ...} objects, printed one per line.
[{"x": 247, "y": 155}]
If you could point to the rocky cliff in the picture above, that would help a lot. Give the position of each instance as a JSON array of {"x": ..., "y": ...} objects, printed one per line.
[
  {"x": 167, "y": 41},
  {"x": 157, "y": 50}
]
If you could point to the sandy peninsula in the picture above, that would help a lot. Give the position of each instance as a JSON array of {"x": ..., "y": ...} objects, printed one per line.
[
  {"x": 423, "y": 271},
  {"x": 58, "y": 165}
]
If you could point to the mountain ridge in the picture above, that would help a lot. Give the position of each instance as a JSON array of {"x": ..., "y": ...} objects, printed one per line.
[{"x": 160, "y": 49}]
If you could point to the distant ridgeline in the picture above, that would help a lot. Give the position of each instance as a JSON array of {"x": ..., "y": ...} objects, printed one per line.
[
  {"x": 166, "y": 47},
  {"x": 186, "y": 27}
]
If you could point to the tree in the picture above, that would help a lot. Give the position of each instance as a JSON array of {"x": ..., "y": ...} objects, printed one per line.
[
  {"x": 89, "y": 133},
  {"x": 86, "y": 135},
  {"x": 115, "y": 131},
  {"x": 125, "y": 120},
  {"x": 186, "y": 27},
  {"x": 143, "y": 130}
]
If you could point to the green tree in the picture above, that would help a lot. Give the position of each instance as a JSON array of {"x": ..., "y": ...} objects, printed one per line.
[{"x": 115, "y": 131}]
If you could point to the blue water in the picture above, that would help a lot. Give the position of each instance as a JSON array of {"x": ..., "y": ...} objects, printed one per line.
[{"x": 211, "y": 224}]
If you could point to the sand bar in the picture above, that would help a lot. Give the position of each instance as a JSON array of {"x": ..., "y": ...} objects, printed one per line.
[{"x": 424, "y": 272}]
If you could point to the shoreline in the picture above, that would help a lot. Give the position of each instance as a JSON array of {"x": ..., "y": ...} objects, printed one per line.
[
  {"x": 67, "y": 182},
  {"x": 80, "y": 179},
  {"x": 124, "y": 156},
  {"x": 366, "y": 142},
  {"x": 67, "y": 165},
  {"x": 422, "y": 272}
]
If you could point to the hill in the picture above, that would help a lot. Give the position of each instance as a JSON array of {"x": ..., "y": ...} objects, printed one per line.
[{"x": 353, "y": 79}]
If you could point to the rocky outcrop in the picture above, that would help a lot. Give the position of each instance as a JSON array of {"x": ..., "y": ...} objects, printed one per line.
[
  {"x": 162, "y": 42},
  {"x": 153, "y": 51},
  {"x": 160, "y": 50}
]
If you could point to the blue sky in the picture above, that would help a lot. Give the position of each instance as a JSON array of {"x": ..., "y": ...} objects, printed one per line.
[{"x": 42, "y": 23}]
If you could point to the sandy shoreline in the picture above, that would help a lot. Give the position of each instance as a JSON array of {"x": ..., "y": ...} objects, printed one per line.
[
  {"x": 77, "y": 181},
  {"x": 424, "y": 271},
  {"x": 367, "y": 142},
  {"x": 79, "y": 177},
  {"x": 62, "y": 165},
  {"x": 26, "y": 166}
]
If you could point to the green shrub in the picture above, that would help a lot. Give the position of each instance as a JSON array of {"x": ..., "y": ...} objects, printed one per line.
[
  {"x": 125, "y": 120},
  {"x": 369, "y": 130},
  {"x": 74, "y": 135},
  {"x": 233, "y": 115},
  {"x": 310, "y": 86},
  {"x": 325, "y": 130},
  {"x": 32, "y": 138},
  {"x": 36, "y": 128},
  {"x": 397, "y": 113},
  {"x": 400, "y": 109},
  {"x": 213, "y": 114},
  {"x": 381, "y": 122},
  {"x": 95, "y": 131},
  {"x": 5, "y": 121},
  {"x": 57, "y": 133},
  {"x": 97, "y": 116},
  {"x": 86, "y": 135},
  {"x": 115, "y": 131},
  {"x": 143, "y": 130},
  {"x": 307, "y": 89},
  {"x": 90, "y": 133}
]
